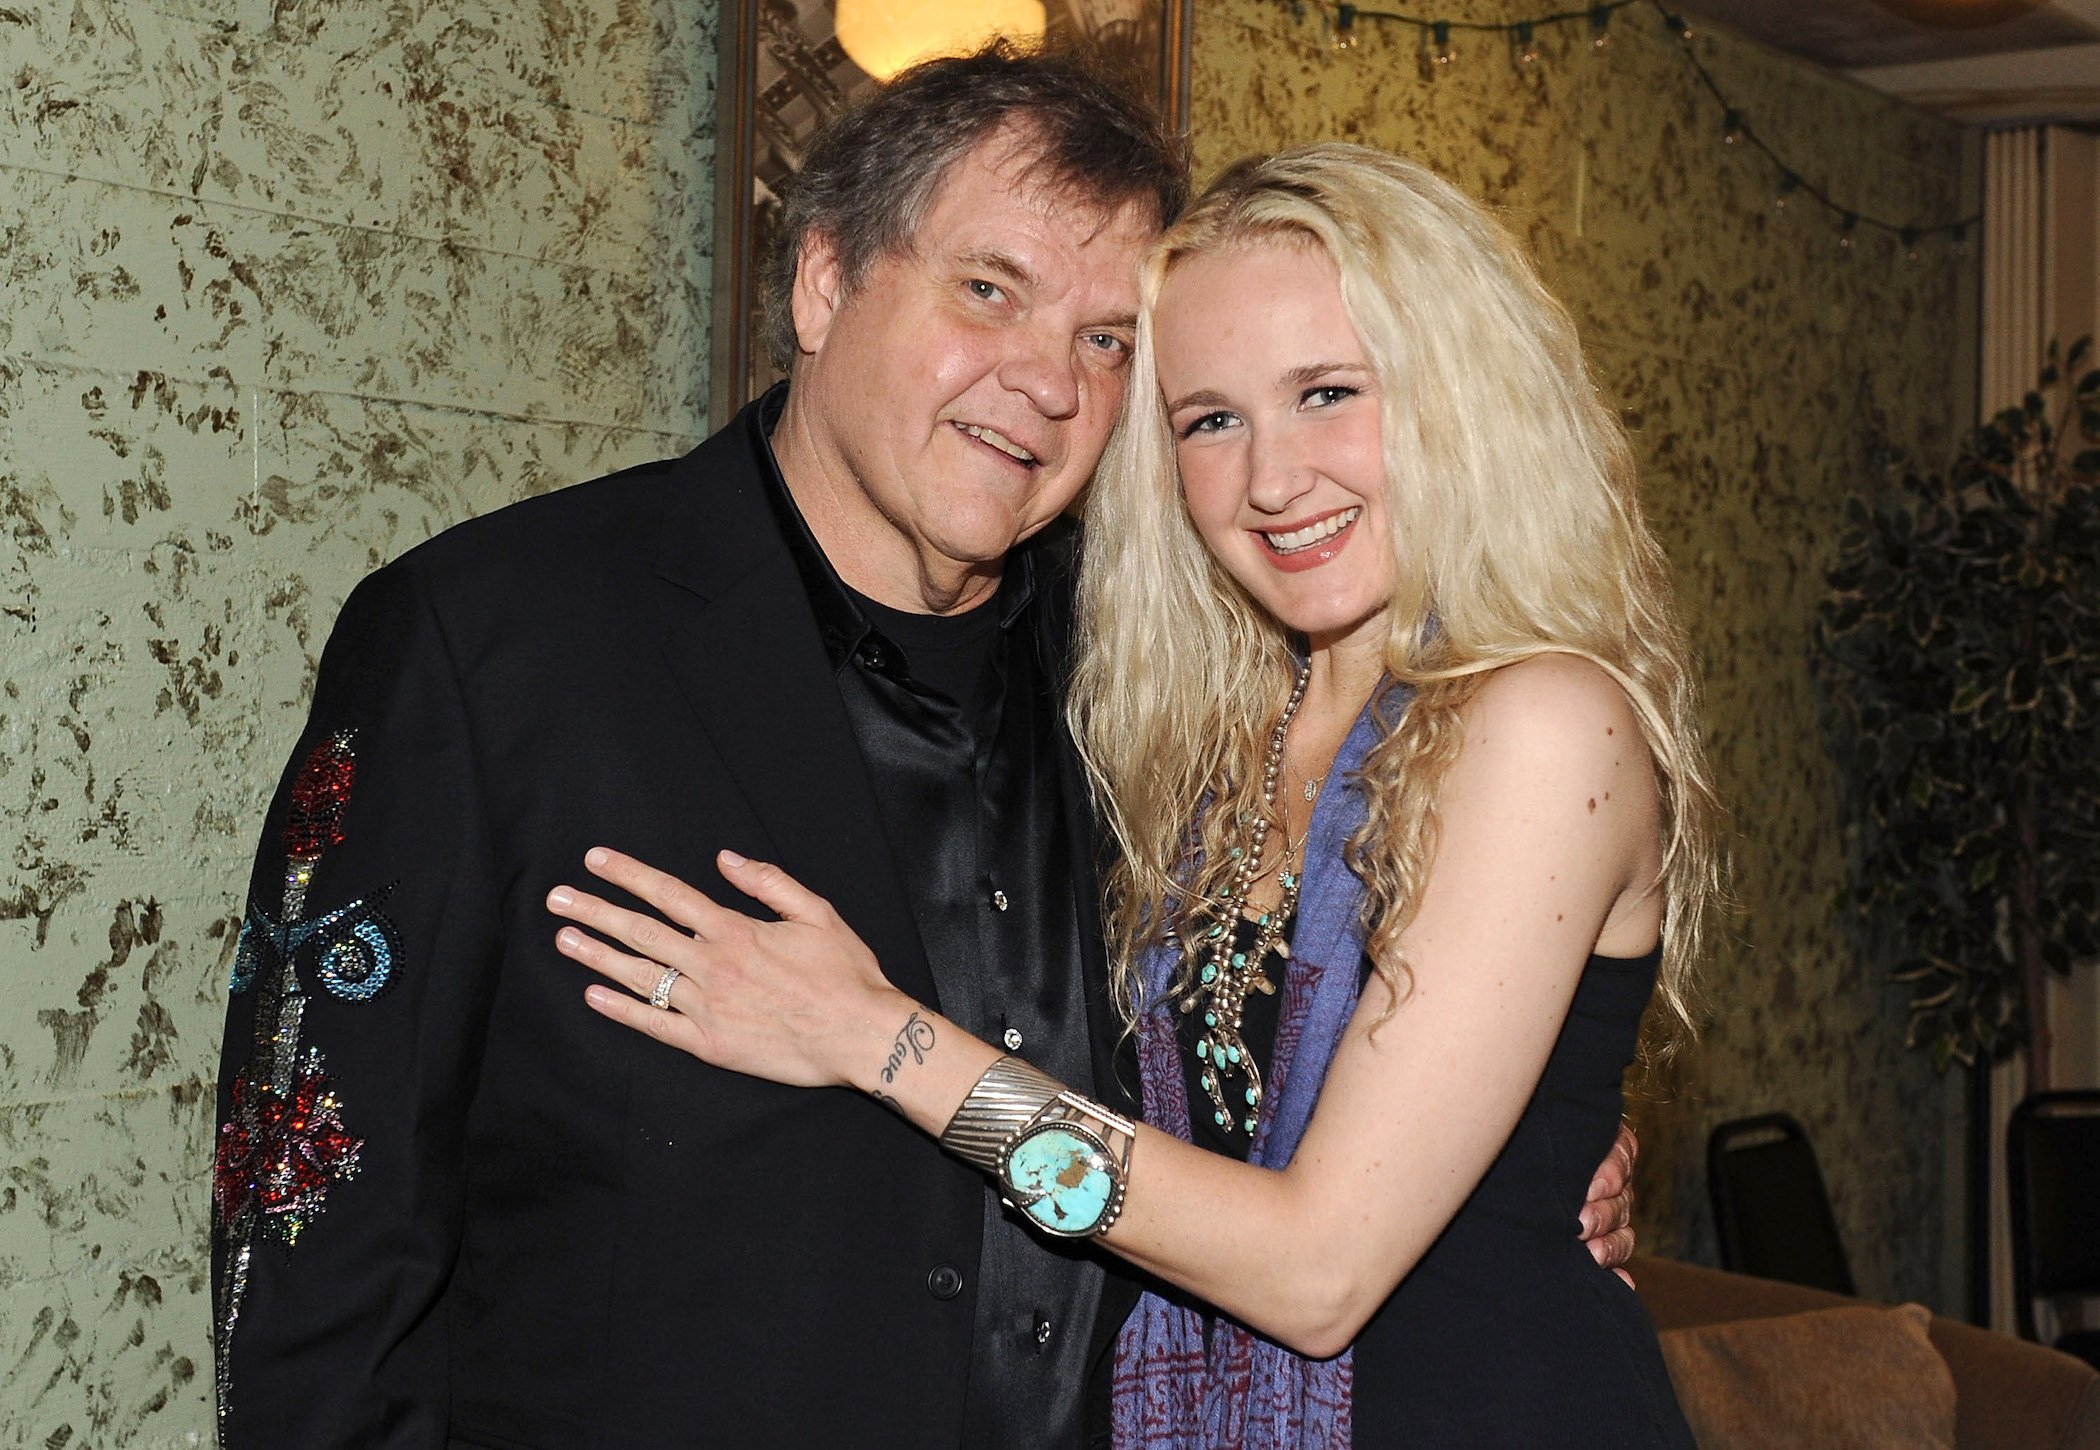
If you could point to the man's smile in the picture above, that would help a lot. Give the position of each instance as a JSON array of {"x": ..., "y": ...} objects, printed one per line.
[{"x": 999, "y": 441}]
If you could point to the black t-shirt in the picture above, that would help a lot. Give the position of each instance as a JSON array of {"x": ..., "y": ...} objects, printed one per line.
[{"x": 948, "y": 652}]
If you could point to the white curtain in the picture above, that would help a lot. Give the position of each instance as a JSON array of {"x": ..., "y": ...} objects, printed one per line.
[
  {"x": 2014, "y": 277},
  {"x": 2041, "y": 252},
  {"x": 2041, "y": 281}
]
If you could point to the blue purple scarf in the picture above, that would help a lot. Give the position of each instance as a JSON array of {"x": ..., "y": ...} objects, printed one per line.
[{"x": 1171, "y": 1393}]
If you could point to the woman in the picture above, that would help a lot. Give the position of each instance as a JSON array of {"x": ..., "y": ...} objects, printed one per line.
[{"x": 1389, "y": 717}]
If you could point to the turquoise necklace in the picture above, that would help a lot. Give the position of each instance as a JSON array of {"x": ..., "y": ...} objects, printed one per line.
[{"x": 1231, "y": 971}]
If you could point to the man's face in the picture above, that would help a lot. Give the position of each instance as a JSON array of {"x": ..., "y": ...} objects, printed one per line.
[{"x": 958, "y": 399}]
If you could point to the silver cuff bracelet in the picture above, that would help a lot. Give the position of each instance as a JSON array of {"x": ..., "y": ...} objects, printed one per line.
[{"x": 1060, "y": 1158}]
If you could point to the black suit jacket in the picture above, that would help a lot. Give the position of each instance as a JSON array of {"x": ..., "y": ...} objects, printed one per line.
[{"x": 559, "y": 1233}]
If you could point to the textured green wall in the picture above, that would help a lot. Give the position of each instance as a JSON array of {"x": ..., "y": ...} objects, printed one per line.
[
  {"x": 288, "y": 286},
  {"x": 1742, "y": 345},
  {"x": 291, "y": 286}
]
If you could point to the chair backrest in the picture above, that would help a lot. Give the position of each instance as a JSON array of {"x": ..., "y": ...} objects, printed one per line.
[
  {"x": 1771, "y": 1211},
  {"x": 2052, "y": 1152}
]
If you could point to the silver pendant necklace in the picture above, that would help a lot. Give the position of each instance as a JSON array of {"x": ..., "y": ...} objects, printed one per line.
[{"x": 1230, "y": 970}]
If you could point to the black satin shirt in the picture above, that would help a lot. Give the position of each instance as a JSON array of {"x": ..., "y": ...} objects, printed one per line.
[{"x": 964, "y": 755}]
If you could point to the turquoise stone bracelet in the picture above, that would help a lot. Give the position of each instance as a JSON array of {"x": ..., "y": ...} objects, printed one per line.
[
  {"x": 1061, "y": 1159},
  {"x": 1062, "y": 1177}
]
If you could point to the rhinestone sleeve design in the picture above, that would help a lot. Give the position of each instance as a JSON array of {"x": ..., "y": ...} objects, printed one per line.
[{"x": 284, "y": 1143}]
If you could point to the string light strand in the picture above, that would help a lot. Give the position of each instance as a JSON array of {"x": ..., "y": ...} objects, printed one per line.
[
  {"x": 1590, "y": 13},
  {"x": 1434, "y": 38},
  {"x": 1737, "y": 128}
]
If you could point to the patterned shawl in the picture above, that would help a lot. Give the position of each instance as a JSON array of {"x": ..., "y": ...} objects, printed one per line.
[{"x": 1246, "y": 1391}]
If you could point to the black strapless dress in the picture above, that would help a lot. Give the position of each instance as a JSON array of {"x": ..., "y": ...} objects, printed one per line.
[{"x": 1507, "y": 1333}]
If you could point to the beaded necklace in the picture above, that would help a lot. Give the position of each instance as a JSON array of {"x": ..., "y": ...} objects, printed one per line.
[{"x": 1230, "y": 972}]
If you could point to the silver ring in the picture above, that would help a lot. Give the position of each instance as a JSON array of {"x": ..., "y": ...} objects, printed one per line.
[{"x": 661, "y": 997}]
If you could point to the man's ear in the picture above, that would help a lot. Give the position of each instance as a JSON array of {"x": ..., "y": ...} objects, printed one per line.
[{"x": 819, "y": 289}]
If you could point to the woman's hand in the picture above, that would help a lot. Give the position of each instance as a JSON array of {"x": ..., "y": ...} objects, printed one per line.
[
  {"x": 1607, "y": 1214},
  {"x": 800, "y": 1000}
]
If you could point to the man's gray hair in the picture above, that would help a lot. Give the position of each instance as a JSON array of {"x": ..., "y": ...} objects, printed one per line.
[{"x": 870, "y": 176}]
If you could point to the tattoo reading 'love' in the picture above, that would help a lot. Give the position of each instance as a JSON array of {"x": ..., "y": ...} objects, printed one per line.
[{"x": 914, "y": 1040}]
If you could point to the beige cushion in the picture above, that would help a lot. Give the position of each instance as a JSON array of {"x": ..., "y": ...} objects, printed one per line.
[{"x": 1849, "y": 1379}]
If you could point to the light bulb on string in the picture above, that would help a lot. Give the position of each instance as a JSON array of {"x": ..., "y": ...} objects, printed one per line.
[
  {"x": 1847, "y": 230},
  {"x": 1731, "y": 127},
  {"x": 1600, "y": 26},
  {"x": 1345, "y": 27},
  {"x": 1522, "y": 40},
  {"x": 1910, "y": 244},
  {"x": 1961, "y": 239},
  {"x": 1440, "y": 38},
  {"x": 1679, "y": 26},
  {"x": 1789, "y": 183}
]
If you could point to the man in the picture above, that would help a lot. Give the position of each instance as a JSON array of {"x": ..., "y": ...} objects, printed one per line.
[{"x": 455, "y": 1207}]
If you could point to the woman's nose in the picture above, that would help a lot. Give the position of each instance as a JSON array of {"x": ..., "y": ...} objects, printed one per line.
[{"x": 1279, "y": 474}]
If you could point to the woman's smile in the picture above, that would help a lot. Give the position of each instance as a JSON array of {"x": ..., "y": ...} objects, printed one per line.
[{"x": 1308, "y": 546}]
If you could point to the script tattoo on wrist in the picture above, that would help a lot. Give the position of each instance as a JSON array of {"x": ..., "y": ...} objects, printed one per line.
[{"x": 914, "y": 1040}]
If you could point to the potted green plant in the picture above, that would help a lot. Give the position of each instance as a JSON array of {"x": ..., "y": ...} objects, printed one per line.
[
  {"x": 1960, "y": 660},
  {"x": 1961, "y": 664}
]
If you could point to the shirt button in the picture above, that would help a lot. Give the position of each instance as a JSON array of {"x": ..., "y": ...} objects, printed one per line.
[
  {"x": 1012, "y": 1039},
  {"x": 945, "y": 1282},
  {"x": 1042, "y": 1330},
  {"x": 998, "y": 901}
]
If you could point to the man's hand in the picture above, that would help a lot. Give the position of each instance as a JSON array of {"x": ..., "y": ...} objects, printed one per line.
[{"x": 1607, "y": 1215}]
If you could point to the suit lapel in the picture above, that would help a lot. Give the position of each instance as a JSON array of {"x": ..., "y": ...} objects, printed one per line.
[{"x": 744, "y": 649}]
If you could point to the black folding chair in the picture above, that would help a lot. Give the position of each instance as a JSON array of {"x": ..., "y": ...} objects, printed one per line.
[
  {"x": 2052, "y": 1150},
  {"x": 1771, "y": 1210}
]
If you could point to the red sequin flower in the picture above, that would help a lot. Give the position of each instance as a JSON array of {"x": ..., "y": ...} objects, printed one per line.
[
  {"x": 320, "y": 796},
  {"x": 279, "y": 1153}
]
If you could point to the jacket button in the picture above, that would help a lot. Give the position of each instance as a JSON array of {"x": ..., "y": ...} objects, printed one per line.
[{"x": 945, "y": 1282}]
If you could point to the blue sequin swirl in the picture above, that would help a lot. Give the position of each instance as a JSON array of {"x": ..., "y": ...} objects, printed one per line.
[{"x": 357, "y": 964}]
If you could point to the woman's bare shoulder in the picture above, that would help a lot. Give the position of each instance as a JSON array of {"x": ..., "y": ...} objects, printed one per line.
[{"x": 1559, "y": 703}]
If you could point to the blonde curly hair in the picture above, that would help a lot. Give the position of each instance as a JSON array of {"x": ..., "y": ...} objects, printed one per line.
[{"x": 1515, "y": 530}]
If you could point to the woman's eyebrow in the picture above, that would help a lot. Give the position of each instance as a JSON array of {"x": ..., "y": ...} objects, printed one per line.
[
  {"x": 1293, "y": 377},
  {"x": 1306, "y": 372}
]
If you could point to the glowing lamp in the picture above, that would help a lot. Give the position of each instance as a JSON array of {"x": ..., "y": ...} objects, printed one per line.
[{"x": 882, "y": 37}]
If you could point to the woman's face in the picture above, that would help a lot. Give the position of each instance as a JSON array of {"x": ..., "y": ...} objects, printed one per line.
[{"x": 1275, "y": 413}]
